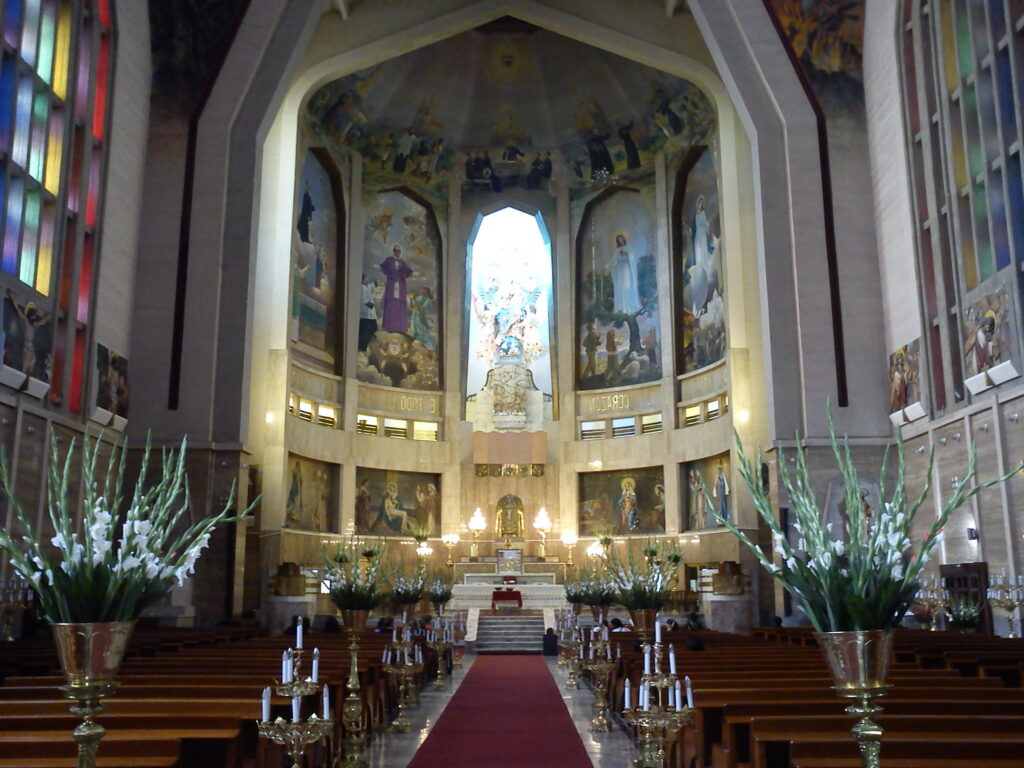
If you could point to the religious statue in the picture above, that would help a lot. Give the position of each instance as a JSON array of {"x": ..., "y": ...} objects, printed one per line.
[
  {"x": 508, "y": 519},
  {"x": 697, "y": 500}
]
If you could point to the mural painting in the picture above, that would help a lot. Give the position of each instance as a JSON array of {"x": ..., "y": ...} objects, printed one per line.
[
  {"x": 315, "y": 248},
  {"x": 705, "y": 490},
  {"x": 112, "y": 391},
  {"x": 986, "y": 332},
  {"x": 311, "y": 505},
  {"x": 698, "y": 247},
  {"x": 622, "y": 502},
  {"x": 617, "y": 304},
  {"x": 27, "y": 338},
  {"x": 391, "y": 503},
  {"x": 399, "y": 313},
  {"x": 904, "y": 376}
]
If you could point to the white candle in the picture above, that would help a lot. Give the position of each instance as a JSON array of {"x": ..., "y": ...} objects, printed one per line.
[
  {"x": 671, "y": 698},
  {"x": 298, "y": 632},
  {"x": 671, "y": 659},
  {"x": 1020, "y": 580},
  {"x": 289, "y": 667},
  {"x": 689, "y": 692},
  {"x": 284, "y": 666},
  {"x": 618, "y": 650},
  {"x": 591, "y": 651},
  {"x": 657, "y": 631},
  {"x": 404, "y": 614},
  {"x": 296, "y": 708},
  {"x": 405, "y": 653},
  {"x": 581, "y": 650},
  {"x": 266, "y": 704},
  {"x": 645, "y": 690},
  {"x": 627, "y": 698},
  {"x": 394, "y": 635},
  {"x": 647, "y": 659},
  {"x": 608, "y": 651},
  {"x": 315, "y": 672},
  {"x": 327, "y": 703},
  {"x": 605, "y": 633},
  {"x": 679, "y": 698}
]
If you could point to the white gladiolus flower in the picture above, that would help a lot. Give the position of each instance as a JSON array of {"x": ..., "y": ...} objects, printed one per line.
[
  {"x": 772, "y": 568},
  {"x": 839, "y": 546}
]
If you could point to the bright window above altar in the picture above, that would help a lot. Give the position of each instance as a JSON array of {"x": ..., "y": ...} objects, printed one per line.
[{"x": 509, "y": 268}]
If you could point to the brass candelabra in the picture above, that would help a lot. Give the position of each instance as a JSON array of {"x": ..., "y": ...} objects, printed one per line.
[
  {"x": 352, "y": 711},
  {"x": 404, "y": 670},
  {"x": 936, "y": 600},
  {"x": 659, "y": 712},
  {"x": 296, "y": 736},
  {"x": 441, "y": 648},
  {"x": 574, "y": 648},
  {"x": 1007, "y": 598},
  {"x": 598, "y": 663}
]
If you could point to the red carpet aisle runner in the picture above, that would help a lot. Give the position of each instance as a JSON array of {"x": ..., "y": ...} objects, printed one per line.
[{"x": 508, "y": 713}]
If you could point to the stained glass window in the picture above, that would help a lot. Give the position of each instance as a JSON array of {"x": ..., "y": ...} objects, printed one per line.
[
  {"x": 961, "y": 61},
  {"x": 55, "y": 84}
]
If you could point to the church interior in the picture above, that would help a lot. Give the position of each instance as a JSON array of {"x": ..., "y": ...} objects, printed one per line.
[{"x": 527, "y": 300}]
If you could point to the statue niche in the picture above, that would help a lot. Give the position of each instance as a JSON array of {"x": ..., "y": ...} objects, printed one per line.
[{"x": 508, "y": 519}]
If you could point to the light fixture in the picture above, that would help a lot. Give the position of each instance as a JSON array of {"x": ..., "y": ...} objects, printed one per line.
[
  {"x": 742, "y": 416},
  {"x": 477, "y": 524},
  {"x": 450, "y": 540},
  {"x": 569, "y": 538},
  {"x": 543, "y": 524},
  {"x": 595, "y": 550},
  {"x": 424, "y": 550},
  {"x": 596, "y": 464}
]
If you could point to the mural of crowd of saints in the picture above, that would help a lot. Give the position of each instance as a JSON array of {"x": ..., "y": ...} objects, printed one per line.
[
  {"x": 390, "y": 503},
  {"x": 986, "y": 332},
  {"x": 705, "y": 489},
  {"x": 469, "y": 105},
  {"x": 310, "y": 494},
  {"x": 315, "y": 262},
  {"x": 622, "y": 502},
  {"x": 399, "y": 320},
  {"x": 703, "y": 308},
  {"x": 27, "y": 338},
  {"x": 904, "y": 376},
  {"x": 619, "y": 333},
  {"x": 111, "y": 381}
]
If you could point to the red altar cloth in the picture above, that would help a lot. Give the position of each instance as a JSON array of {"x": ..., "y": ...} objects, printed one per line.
[{"x": 507, "y": 596}]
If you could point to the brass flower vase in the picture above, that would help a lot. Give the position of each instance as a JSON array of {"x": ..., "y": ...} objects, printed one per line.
[
  {"x": 859, "y": 662},
  {"x": 643, "y": 622},
  {"x": 90, "y": 655}
]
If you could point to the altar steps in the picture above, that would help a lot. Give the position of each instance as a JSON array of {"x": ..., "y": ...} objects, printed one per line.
[{"x": 510, "y": 634}]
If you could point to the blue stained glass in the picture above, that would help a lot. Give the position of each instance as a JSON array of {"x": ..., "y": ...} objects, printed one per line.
[
  {"x": 1004, "y": 94},
  {"x": 7, "y": 71},
  {"x": 12, "y": 21},
  {"x": 1015, "y": 190},
  {"x": 30, "y": 34},
  {"x": 997, "y": 18},
  {"x": 23, "y": 121},
  {"x": 12, "y": 232},
  {"x": 997, "y": 213}
]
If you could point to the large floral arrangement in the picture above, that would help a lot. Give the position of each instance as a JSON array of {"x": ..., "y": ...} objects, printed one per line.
[
  {"x": 964, "y": 614},
  {"x": 574, "y": 591},
  {"x": 354, "y": 575},
  {"x": 643, "y": 584},
  {"x": 595, "y": 589},
  {"x": 440, "y": 590},
  {"x": 407, "y": 588},
  {"x": 129, "y": 553},
  {"x": 865, "y": 575}
]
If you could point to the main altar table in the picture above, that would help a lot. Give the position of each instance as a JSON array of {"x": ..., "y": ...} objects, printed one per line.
[
  {"x": 534, "y": 596},
  {"x": 507, "y": 596}
]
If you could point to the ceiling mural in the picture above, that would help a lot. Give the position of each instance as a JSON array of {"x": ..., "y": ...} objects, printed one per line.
[{"x": 510, "y": 93}]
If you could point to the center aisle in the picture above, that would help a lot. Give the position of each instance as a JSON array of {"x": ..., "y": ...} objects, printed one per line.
[{"x": 508, "y": 713}]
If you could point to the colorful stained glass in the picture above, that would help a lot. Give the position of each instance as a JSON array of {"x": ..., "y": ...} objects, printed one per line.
[
  {"x": 963, "y": 41},
  {"x": 92, "y": 202},
  {"x": 30, "y": 33},
  {"x": 12, "y": 230},
  {"x": 44, "y": 259},
  {"x": 12, "y": 21},
  {"x": 40, "y": 113},
  {"x": 104, "y": 12},
  {"x": 54, "y": 152},
  {"x": 979, "y": 206},
  {"x": 84, "y": 71},
  {"x": 62, "y": 50},
  {"x": 949, "y": 46},
  {"x": 7, "y": 79},
  {"x": 77, "y": 160},
  {"x": 47, "y": 29},
  {"x": 64, "y": 293},
  {"x": 30, "y": 240},
  {"x": 23, "y": 121},
  {"x": 99, "y": 111},
  {"x": 85, "y": 281}
]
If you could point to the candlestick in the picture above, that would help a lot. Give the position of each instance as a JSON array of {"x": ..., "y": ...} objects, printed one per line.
[
  {"x": 627, "y": 698},
  {"x": 266, "y": 704},
  {"x": 671, "y": 659},
  {"x": 284, "y": 666},
  {"x": 657, "y": 632},
  {"x": 647, "y": 659},
  {"x": 296, "y": 708},
  {"x": 298, "y": 632},
  {"x": 327, "y": 703},
  {"x": 315, "y": 672},
  {"x": 645, "y": 694},
  {"x": 679, "y": 698},
  {"x": 689, "y": 692}
]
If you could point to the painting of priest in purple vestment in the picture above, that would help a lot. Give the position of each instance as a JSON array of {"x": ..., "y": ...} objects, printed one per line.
[{"x": 396, "y": 307}]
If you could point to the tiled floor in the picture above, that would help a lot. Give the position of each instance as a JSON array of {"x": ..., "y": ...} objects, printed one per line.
[{"x": 395, "y": 750}]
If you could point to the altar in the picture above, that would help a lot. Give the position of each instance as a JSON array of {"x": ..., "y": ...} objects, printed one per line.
[
  {"x": 534, "y": 597},
  {"x": 494, "y": 569}
]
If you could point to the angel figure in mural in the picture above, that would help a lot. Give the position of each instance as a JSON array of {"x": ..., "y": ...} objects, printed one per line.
[
  {"x": 396, "y": 308},
  {"x": 363, "y": 505},
  {"x": 391, "y": 514},
  {"x": 625, "y": 280},
  {"x": 697, "y": 500},
  {"x": 294, "y": 503},
  {"x": 427, "y": 505},
  {"x": 626, "y": 506},
  {"x": 422, "y": 307}
]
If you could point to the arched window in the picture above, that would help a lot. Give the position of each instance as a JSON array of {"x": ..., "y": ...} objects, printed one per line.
[
  {"x": 55, "y": 81},
  {"x": 509, "y": 287},
  {"x": 960, "y": 63}
]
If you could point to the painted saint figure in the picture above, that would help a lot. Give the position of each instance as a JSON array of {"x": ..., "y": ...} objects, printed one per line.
[
  {"x": 626, "y": 506},
  {"x": 363, "y": 506},
  {"x": 590, "y": 344},
  {"x": 697, "y": 500},
  {"x": 367, "y": 313},
  {"x": 625, "y": 281},
  {"x": 391, "y": 512},
  {"x": 721, "y": 492},
  {"x": 985, "y": 352},
  {"x": 396, "y": 308},
  {"x": 305, "y": 215},
  {"x": 421, "y": 309}
]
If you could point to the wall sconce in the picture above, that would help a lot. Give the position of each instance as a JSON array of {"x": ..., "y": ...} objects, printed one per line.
[
  {"x": 569, "y": 539},
  {"x": 943, "y": 440},
  {"x": 476, "y": 524},
  {"x": 956, "y": 436},
  {"x": 543, "y": 524},
  {"x": 1014, "y": 417},
  {"x": 984, "y": 427},
  {"x": 919, "y": 450},
  {"x": 972, "y": 534},
  {"x": 954, "y": 481}
]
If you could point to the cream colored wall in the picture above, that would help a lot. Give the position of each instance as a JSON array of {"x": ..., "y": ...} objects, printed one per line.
[{"x": 272, "y": 434}]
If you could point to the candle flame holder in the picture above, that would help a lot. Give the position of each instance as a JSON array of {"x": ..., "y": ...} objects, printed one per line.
[
  {"x": 654, "y": 727},
  {"x": 299, "y": 686},
  {"x": 599, "y": 667},
  {"x": 295, "y": 737}
]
